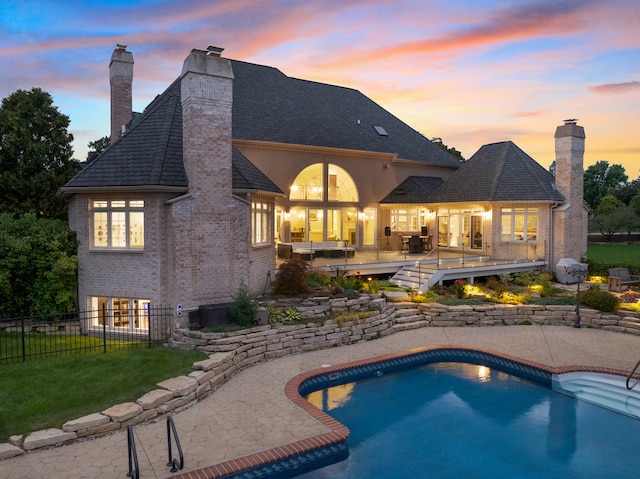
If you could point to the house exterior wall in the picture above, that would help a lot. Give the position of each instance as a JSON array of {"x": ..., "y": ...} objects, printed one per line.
[
  {"x": 375, "y": 175},
  {"x": 521, "y": 250},
  {"x": 122, "y": 273}
]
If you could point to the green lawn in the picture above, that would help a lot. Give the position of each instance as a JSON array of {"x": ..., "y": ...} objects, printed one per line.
[
  {"x": 45, "y": 393},
  {"x": 622, "y": 254}
]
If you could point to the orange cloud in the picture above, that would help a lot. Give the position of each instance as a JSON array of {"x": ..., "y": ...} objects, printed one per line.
[{"x": 616, "y": 88}]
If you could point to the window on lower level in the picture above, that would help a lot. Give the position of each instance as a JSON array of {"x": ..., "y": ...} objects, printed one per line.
[
  {"x": 519, "y": 224},
  {"x": 119, "y": 313},
  {"x": 261, "y": 222},
  {"x": 117, "y": 224}
]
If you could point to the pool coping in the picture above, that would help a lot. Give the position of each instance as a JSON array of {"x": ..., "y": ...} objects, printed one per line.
[{"x": 287, "y": 459}]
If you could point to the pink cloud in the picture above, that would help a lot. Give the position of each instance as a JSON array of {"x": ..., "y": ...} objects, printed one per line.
[
  {"x": 527, "y": 114},
  {"x": 616, "y": 88}
]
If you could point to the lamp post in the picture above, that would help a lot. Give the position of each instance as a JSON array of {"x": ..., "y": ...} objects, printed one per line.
[{"x": 579, "y": 271}]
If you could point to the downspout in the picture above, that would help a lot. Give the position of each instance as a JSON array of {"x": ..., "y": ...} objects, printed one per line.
[{"x": 550, "y": 240}]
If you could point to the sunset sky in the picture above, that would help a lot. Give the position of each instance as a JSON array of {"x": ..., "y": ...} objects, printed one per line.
[{"x": 471, "y": 72}]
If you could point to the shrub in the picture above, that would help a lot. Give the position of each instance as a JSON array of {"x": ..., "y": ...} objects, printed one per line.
[
  {"x": 524, "y": 278},
  {"x": 279, "y": 316},
  {"x": 317, "y": 278},
  {"x": 457, "y": 288},
  {"x": 292, "y": 278},
  {"x": 245, "y": 309},
  {"x": 595, "y": 298},
  {"x": 352, "y": 283},
  {"x": 373, "y": 286}
]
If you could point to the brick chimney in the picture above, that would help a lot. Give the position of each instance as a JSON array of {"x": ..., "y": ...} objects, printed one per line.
[
  {"x": 570, "y": 218},
  {"x": 206, "y": 88},
  {"x": 121, "y": 81},
  {"x": 210, "y": 225}
]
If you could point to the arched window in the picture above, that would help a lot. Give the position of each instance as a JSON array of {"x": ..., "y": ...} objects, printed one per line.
[
  {"x": 311, "y": 184},
  {"x": 308, "y": 184},
  {"x": 341, "y": 186}
]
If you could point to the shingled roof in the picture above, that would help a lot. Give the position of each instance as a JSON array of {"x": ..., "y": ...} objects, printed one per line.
[
  {"x": 413, "y": 190},
  {"x": 149, "y": 154},
  {"x": 267, "y": 106},
  {"x": 303, "y": 112},
  {"x": 499, "y": 172}
]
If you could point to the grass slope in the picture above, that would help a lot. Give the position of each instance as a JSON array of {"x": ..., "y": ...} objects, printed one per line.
[{"x": 45, "y": 393}]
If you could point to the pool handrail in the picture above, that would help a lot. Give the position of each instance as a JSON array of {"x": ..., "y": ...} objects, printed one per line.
[{"x": 630, "y": 375}]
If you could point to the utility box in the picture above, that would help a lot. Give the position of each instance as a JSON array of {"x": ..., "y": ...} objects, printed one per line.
[{"x": 569, "y": 271}]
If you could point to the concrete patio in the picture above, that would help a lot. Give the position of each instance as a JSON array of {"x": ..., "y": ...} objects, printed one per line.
[{"x": 250, "y": 413}]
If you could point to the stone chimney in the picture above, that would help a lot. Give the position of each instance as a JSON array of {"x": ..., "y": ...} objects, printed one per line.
[
  {"x": 570, "y": 218},
  {"x": 121, "y": 81}
]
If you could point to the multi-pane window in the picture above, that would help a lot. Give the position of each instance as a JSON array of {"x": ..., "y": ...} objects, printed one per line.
[
  {"x": 519, "y": 224},
  {"x": 119, "y": 313},
  {"x": 117, "y": 224},
  {"x": 261, "y": 222},
  {"x": 311, "y": 184},
  {"x": 408, "y": 219}
]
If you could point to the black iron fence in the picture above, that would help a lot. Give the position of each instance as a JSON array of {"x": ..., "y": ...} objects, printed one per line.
[{"x": 28, "y": 337}]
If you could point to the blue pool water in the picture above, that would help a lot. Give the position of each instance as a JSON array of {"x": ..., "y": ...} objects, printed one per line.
[{"x": 458, "y": 420}]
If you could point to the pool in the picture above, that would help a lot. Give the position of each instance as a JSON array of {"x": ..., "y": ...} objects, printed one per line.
[
  {"x": 489, "y": 416},
  {"x": 453, "y": 419}
]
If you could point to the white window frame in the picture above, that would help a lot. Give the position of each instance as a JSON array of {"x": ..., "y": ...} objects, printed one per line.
[
  {"x": 519, "y": 225},
  {"x": 135, "y": 321},
  {"x": 104, "y": 217},
  {"x": 411, "y": 219},
  {"x": 261, "y": 222}
]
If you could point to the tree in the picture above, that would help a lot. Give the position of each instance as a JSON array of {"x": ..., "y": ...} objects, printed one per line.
[
  {"x": 610, "y": 215},
  {"x": 626, "y": 192},
  {"x": 97, "y": 147},
  {"x": 35, "y": 154},
  {"x": 452, "y": 150},
  {"x": 630, "y": 220},
  {"x": 38, "y": 265},
  {"x": 634, "y": 203},
  {"x": 601, "y": 179}
]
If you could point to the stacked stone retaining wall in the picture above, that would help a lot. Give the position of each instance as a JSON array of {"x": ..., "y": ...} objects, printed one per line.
[{"x": 232, "y": 351}]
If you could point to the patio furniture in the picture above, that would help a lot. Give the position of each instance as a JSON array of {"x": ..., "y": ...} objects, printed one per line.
[
  {"x": 619, "y": 277},
  {"x": 404, "y": 243}
]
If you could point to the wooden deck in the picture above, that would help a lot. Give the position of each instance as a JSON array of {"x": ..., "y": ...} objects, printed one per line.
[{"x": 419, "y": 271}]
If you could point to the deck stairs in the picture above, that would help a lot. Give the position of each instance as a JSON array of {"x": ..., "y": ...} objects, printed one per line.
[
  {"x": 604, "y": 390},
  {"x": 421, "y": 275}
]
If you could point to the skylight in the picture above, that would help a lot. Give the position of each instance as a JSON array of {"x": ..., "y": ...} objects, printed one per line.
[{"x": 380, "y": 130}]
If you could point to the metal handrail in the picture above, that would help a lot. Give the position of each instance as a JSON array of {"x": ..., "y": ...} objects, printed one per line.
[
  {"x": 631, "y": 375},
  {"x": 134, "y": 468},
  {"x": 175, "y": 464}
]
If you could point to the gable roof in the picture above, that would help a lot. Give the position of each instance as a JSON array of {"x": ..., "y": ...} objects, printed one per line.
[
  {"x": 499, "y": 172},
  {"x": 413, "y": 190}
]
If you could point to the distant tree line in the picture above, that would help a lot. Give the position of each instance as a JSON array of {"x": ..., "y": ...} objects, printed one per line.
[{"x": 613, "y": 200}]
